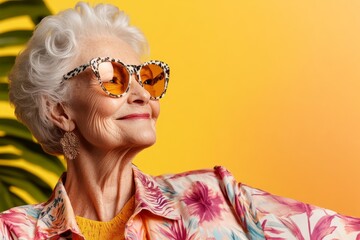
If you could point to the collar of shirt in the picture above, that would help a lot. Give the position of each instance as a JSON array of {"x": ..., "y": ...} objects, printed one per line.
[{"x": 57, "y": 217}]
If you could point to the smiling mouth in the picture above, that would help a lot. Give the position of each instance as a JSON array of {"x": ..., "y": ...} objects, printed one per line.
[{"x": 136, "y": 116}]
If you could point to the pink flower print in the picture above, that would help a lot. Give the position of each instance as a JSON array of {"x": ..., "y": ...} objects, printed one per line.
[
  {"x": 203, "y": 202},
  {"x": 223, "y": 172},
  {"x": 270, "y": 229},
  {"x": 351, "y": 224},
  {"x": 154, "y": 198},
  {"x": 323, "y": 227},
  {"x": 284, "y": 206},
  {"x": 177, "y": 231},
  {"x": 240, "y": 209},
  {"x": 293, "y": 227}
]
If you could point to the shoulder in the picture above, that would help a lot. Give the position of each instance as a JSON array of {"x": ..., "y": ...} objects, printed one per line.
[
  {"x": 20, "y": 221},
  {"x": 212, "y": 198},
  {"x": 216, "y": 174},
  {"x": 257, "y": 211},
  {"x": 218, "y": 181}
]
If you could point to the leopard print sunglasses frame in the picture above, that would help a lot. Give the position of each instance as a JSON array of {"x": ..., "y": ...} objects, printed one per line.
[{"x": 132, "y": 69}]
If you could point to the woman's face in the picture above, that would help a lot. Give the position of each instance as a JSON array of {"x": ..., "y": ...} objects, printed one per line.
[{"x": 110, "y": 123}]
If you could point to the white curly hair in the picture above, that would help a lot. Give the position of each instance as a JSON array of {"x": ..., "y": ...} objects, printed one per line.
[{"x": 35, "y": 80}]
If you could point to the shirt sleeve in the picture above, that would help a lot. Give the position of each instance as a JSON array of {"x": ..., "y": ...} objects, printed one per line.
[{"x": 283, "y": 218}]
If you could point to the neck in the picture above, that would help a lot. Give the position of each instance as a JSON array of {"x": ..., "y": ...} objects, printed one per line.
[{"x": 99, "y": 185}]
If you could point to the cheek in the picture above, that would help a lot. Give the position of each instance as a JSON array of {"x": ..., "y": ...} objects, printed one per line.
[
  {"x": 92, "y": 110},
  {"x": 155, "y": 108}
]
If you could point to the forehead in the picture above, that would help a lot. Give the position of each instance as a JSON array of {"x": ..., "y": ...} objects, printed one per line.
[{"x": 106, "y": 47}]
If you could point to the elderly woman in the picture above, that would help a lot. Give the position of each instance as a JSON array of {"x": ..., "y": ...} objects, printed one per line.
[{"x": 82, "y": 90}]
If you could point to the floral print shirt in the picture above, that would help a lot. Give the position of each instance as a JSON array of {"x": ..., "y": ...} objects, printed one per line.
[{"x": 203, "y": 204}]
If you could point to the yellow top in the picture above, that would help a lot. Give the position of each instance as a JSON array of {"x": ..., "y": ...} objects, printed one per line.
[{"x": 113, "y": 229}]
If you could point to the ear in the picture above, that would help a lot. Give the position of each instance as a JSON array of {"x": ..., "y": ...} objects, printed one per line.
[{"x": 59, "y": 117}]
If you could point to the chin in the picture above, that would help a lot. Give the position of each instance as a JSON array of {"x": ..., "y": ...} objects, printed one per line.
[{"x": 146, "y": 139}]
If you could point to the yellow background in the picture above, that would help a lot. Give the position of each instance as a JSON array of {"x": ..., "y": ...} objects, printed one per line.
[{"x": 269, "y": 89}]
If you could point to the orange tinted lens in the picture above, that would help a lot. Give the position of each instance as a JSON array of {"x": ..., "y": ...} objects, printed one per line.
[
  {"x": 114, "y": 77},
  {"x": 153, "y": 79}
]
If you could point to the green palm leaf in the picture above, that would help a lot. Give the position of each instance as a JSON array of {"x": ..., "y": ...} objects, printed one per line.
[
  {"x": 32, "y": 153},
  {"x": 14, "y": 128},
  {"x": 14, "y": 38},
  {"x": 6, "y": 200},
  {"x": 16, "y": 177},
  {"x": 4, "y": 87},
  {"x": 36, "y": 9},
  {"x": 6, "y": 63},
  {"x": 13, "y": 175}
]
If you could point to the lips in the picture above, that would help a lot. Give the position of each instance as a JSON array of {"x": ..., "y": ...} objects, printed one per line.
[{"x": 136, "y": 116}]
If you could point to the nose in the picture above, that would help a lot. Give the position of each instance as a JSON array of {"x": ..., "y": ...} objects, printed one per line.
[{"x": 138, "y": 94}]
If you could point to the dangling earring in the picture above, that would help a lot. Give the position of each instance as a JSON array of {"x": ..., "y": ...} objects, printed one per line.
[{"x": 70, "y": 145}]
